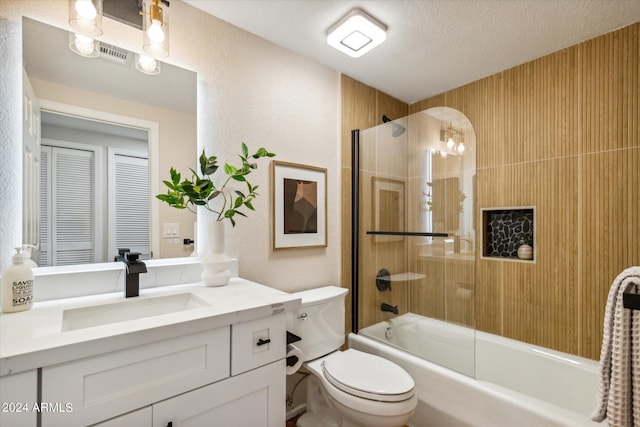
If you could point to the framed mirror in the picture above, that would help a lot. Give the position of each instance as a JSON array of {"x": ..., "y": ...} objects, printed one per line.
[{"x": 97, "y": 135}]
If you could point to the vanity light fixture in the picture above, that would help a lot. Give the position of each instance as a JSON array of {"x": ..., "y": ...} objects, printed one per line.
[
  {"x": 450, "y": 135},
  {"x": 356, "y": 34},
  {"x": 147, "y": 65},
  {"x": 85, "y": 17},
  {"x": 460, "y": 147},
  {"x": 84, "y": 45},
  {"x": 450, "y": 142},
  {"x": 155, "y": 27}
]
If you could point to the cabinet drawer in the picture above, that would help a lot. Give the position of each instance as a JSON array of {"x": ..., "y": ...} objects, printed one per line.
[
  {"x": 104, "y": 386},
  {"x": 257, "y": 343}
]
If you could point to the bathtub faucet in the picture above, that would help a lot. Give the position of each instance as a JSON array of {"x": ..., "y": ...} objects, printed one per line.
[{"x": 390, "y": 308}]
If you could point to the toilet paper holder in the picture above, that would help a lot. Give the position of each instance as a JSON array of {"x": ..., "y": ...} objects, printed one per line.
[{"x": 291, "y": 338}]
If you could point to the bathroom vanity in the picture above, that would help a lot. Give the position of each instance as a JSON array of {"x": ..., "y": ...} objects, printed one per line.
[{"x": 177, "y": 354}]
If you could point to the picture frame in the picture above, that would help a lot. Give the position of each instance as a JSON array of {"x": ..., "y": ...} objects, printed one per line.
[
  {"x": 299, "y": 203},
  {"x": 388, "y": 207}
]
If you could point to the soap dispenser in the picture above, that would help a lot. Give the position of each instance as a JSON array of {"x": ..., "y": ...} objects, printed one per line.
[
  {"x": 16, "y": 289},
  {"x": 27, "y": 252}
]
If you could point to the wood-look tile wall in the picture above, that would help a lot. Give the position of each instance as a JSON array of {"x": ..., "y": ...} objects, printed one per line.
[
  {"x": 363, "y": 108},
  {"x": 559, "y": 133}
]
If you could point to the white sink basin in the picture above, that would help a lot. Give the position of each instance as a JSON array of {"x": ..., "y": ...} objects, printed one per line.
[{"x": 130, "y": 309}]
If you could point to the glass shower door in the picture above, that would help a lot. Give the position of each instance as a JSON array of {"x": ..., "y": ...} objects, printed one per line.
[{"x": 416, "y": 235}]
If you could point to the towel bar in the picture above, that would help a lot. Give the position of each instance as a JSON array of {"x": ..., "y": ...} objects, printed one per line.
[
  {"x": 631, "y": 301},
  {"x": 408, "y": 233}
]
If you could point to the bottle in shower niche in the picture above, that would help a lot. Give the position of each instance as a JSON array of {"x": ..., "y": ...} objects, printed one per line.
[{"x": 16, "y": 289}]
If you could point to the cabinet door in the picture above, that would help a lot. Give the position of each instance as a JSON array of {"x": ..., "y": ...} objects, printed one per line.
[
  {"x": 18, "y": 397},
  {"x": 107, "y": 385},
  {"x": 139, "y": 418},
  {"x": 253, "y": 399}
]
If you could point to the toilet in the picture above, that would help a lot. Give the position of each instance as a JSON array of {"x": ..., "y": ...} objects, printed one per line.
[{"x": 345, "y": 388}]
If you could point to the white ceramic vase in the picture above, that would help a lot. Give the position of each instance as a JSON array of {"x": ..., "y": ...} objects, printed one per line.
[
  {"x": 525, "y": 252},
  {"x": 216, "y": 263}
]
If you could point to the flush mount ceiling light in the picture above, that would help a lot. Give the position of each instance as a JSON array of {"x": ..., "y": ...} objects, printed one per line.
[
  {"x": 85, "y": 16},
  {"x": 356, "y": 34}
]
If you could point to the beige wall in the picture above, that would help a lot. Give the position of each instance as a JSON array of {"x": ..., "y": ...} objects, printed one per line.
[{"x": 559, "y": 133}]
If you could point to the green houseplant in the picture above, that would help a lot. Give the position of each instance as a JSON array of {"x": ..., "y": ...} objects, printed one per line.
[
  {"x": 201, "y": 190},
  {"x": 224, "y": 200},
  {"x": 525, "y": 238}
]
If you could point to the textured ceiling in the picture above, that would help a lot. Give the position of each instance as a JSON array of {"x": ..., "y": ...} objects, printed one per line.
[{"x": 432, "y": 45}]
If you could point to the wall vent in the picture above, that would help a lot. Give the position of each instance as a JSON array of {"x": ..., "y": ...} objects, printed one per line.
[{"x": 114, "y": 54}]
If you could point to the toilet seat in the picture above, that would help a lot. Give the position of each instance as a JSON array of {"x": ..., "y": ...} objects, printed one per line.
[
  {"x": 374, "y": 404},
  {"x": 367, "y": 376}
]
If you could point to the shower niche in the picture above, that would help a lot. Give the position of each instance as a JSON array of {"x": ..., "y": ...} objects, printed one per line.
[{"x": 509, "y": 233}]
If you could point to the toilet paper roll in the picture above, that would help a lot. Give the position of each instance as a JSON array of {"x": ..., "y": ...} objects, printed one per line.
[{"x": 294, "y": 359}]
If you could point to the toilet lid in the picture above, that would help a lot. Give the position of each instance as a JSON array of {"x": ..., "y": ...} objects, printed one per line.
[{"x": 368, "y": 376}]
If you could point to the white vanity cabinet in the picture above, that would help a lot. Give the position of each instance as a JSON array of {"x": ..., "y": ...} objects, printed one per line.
[
  {"x": 228, "y": 376},
  {"x": 18, "y": 394}
]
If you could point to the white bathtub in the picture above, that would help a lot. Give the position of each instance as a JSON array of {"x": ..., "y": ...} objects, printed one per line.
[{"x": 516, "y": 384}]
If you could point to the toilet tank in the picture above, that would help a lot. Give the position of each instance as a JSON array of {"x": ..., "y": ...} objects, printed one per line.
[{"x": 319, "y": 321}]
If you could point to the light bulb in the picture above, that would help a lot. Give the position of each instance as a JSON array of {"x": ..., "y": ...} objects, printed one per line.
[
  {"x": 147, "y": 63},
  {"x": 155, "y": 32},
  {"x": 84, "y": 44},
  {"x": 86, "y": 10},
  {"x": 450, "y": 143},
  {"x": 460, "y": 148}
]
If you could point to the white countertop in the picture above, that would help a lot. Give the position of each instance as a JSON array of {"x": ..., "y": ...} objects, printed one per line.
[{"x": 33, "y": 338}]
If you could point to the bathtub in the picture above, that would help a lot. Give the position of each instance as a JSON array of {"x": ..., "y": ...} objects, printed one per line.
[{"x": 491, "y": 381}]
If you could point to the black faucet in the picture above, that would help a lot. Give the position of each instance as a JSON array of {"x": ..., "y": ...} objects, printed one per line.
[
  {"x": 390, "y": 308},
  {"x": 122, "y": 254},
  {"x": 133, "y": 268}
]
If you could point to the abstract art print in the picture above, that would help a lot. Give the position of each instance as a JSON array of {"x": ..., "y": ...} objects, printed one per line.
[{"x": 299, "y": 206}]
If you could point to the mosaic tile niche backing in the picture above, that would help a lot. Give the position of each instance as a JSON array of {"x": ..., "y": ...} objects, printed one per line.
[{"x": 504, "y": 230}]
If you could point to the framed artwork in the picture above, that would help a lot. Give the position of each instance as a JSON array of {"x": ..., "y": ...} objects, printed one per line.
[
  {"x": 388, "y": 207},
  {"x": 299, "y": 205}
]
